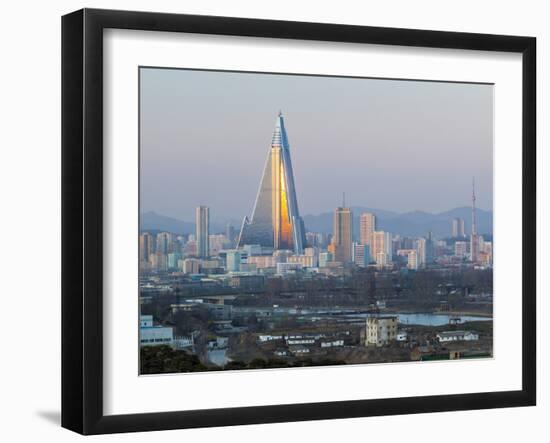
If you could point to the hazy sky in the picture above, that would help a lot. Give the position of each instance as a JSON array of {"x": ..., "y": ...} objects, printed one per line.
[{"x": 396, "y": 145}]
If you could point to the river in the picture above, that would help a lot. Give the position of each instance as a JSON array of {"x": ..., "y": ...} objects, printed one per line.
[{"x": 436, "y": 319}]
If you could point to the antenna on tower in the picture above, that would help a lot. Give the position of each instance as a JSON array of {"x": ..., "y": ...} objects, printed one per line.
[
  {"x": 474, "y": 220},
  {"x": 343, "y": 199}
]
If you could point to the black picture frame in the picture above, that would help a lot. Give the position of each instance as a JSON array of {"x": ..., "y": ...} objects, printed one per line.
[{"x": 82, "y": 218}]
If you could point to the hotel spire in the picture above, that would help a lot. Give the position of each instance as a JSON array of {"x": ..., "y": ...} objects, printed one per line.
[{"x": 275, "y": 220}]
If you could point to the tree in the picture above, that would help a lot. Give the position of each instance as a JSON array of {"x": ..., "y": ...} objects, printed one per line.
[{"x": 163, "y": 360}]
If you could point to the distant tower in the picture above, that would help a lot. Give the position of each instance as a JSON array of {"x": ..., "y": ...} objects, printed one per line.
[
  {"x": 367, "y": 225},
  {"x": 230, "y": 234},
  {"x": 458, "y": 227},
  {"x": 275, "y": 220},
  {"x": 342, "y": 233},
  {"x": 420, "y": 246},
  {"x": 474, "y": 241},
  {"x": 163, "y": 243},
  {"x": 430, "y": 243},
  {"x": 381, "y": 247},
  {"x": 202, "y": 228},
  {"x": 146, "y": 246}
]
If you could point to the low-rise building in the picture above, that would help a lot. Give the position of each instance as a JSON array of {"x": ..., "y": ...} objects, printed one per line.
[
  {"x": 332, "y": 343},
  {"x": 306, "y": 261},
  {"x": 151, "y": 335},
  {"x": 285, "y": 268},
  {"x": 450, "y": 336},
  {"x": 262, "y": 261},
  {"x": 190, "y": 265},
  {"x": 268, "y": 338},
  {"x": 300, "y": 341},
  {"x": 219, "y": 311},
  {"x": 247, "y": 282},
  {"x": 298, "y": 350},
  {"x": 381, "y": 330}
]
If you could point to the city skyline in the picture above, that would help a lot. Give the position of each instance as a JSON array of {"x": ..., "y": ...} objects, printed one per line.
[
  {"x": 278, "y": 288},
  {"x": 179, "y": 144}
]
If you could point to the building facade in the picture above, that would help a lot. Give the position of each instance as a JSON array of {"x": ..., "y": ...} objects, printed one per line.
[
  {"x": 420, "y": 245},
  {"x": 342, "y": 235},
  {"x": 382, "y": 247},
  {"x": 380, "y": 331},
  {"x": 412, "y": 260},
  {"x": 458, "y": 228},
  {"x": 202, "y": 228},
  {"x": 275, "y": 220},
  {"x": 191, "y": 266},
  {"x": 361, "y": 255},
  {"x": 146, "y": 246},
  {"x": 367, "y": 225},
  {"x": 461, "y": 249},
  {"x": 151, "y": 335},
  {"x": 233, "y": 261}
]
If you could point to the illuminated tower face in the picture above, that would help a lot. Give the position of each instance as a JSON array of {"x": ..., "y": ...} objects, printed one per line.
[{"x": 275, "y": 220}]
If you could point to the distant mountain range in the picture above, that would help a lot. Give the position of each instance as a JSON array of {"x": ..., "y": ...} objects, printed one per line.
[
  {"x": 414, "y": 223},
  {"x": 151, "y": 221}
]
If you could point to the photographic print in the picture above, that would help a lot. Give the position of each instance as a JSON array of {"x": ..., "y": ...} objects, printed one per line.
[{"x": 292, "y": 220}]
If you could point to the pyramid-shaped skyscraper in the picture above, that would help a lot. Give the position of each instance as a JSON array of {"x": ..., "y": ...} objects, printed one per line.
[{"x": 275, "y": 220}]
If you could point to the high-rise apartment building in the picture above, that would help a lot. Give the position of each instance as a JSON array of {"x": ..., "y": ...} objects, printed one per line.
[
  {"x": 342, "y": 234},
  {"x": 233, "y": 261},
  {"x": 420, "y": 246},
  {"x": 276, "y": 221},
  {"x": 367, "y": 225},
  {"x": 230, "y": 234},
  {"x": 461, "y": 249},
  {"x": 191, "y": 266},
  {"x": 202, "y": 228},
  {"x": 412, "y": 260},
  {"x": 146, "y": 246},
  {"x": 474, "y": 240},
  {"x": 361, "y": 254},
  {"x": 430, "y": 246},
  {"x": 216, "y": 242},
  {"x": 381, "y": 244},
  {"x": 458, "y": 228},
  {"x": 325, "y": 258},
  {"x": 173, "y": 259},
  {"x": 163, "y": 243}
]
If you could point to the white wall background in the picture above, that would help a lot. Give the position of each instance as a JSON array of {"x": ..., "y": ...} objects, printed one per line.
[{"x": 30, "y": 216}]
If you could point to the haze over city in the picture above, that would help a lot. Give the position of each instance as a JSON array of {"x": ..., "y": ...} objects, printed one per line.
[
  {"x": 283, "y": 289},
  {"x": 394, "y": 145}
]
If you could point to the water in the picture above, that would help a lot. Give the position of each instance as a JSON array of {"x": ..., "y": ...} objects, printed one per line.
[
  {"x": 430, "y": 319},
  {"x": 423, "y": 319}
]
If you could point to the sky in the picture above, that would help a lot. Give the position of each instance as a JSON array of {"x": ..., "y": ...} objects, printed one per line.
[{"x": 388, "y": 144}]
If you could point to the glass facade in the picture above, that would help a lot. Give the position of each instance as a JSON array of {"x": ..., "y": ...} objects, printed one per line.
[{"x": 275, "y": 220}]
